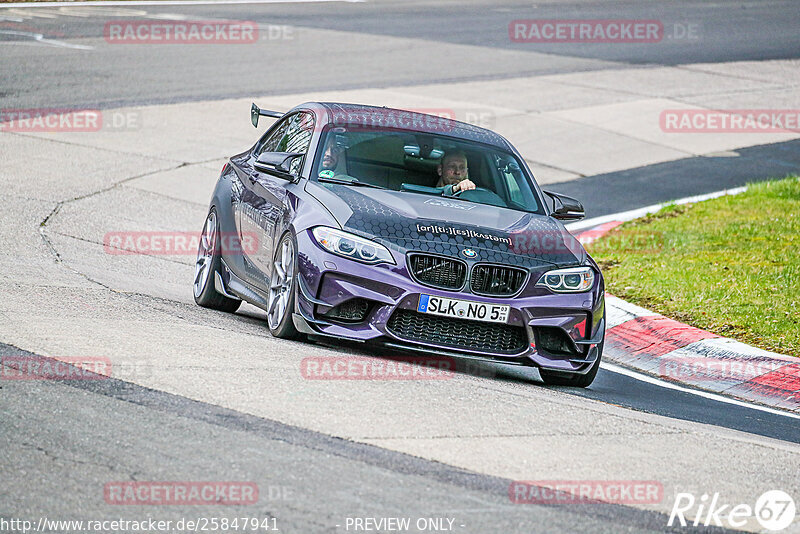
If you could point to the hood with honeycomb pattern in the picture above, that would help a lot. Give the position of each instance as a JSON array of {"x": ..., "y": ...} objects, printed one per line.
[{"x": 417, "y": 222}]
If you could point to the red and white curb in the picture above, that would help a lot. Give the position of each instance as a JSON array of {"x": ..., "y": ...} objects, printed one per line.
[
  {"x": 656, "y": 345},
  {"x": 677, "y": 352}
]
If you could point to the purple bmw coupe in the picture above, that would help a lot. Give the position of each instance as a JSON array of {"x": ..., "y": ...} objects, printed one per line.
[{"x": 403, "y": 230}]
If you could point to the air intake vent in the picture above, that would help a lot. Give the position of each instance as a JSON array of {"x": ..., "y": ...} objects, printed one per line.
[
  {"x": 555, "y": 341},
  {"x": 353, "y": 310},
  {"x": 437, "y": 271},
  {"x": 497, "y": 280},
  {"x": 458, "y": 333}
]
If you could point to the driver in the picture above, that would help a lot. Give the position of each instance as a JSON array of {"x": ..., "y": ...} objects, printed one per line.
[
  {"x": 330, "y": 159},
  {"x": 453, "y": 173}
]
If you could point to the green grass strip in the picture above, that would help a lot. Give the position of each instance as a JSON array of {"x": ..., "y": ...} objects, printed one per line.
[{"x": 730, "y": 265}]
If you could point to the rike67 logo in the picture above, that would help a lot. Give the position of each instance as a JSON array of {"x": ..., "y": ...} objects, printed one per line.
[{"x": 774, "y": 510}]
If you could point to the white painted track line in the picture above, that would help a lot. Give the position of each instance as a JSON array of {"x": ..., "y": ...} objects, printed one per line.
[
  {"x": 40, "y": 38},
  {"x": 700, "y": 393},
  {"x": 641, "y": 212}
]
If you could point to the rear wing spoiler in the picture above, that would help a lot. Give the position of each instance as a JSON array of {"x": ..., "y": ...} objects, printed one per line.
[{"x": 256, "y": 112}]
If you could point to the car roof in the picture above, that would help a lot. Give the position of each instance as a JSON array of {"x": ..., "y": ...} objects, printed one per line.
[{"x": 362, "y": 115}]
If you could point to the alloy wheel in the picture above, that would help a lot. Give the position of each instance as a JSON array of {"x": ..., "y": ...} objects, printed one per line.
[
  {"x": 205, "y": 254},
  {"x": 281, "y": 286}
]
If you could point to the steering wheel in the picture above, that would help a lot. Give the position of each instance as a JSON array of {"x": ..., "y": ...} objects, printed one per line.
[
  {"x": 481, "y": 195},
  {"x": 477, "y": 190}
]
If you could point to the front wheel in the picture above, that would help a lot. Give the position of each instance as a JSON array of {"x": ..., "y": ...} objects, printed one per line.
[
  {"x": 282, "y": 288},
  {"x": 556, "y": 378}
]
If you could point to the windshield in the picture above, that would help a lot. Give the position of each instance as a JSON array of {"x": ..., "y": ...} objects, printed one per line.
[{"x": 420, "y": 163}]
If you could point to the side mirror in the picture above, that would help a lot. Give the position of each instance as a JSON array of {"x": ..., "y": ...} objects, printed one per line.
[
  {"x": 277, "y": 163},
  {"x": 566, "y": 208}
]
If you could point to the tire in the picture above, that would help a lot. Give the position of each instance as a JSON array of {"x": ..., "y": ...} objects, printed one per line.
[
  {"x": 206, "y": 267},
  {"x": 556, "y": 378},
  {"x": 283, "y": 289}
]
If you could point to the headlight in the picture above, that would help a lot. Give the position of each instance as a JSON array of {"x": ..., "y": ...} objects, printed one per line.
[
  {"x": 572, "y": 280},
  {"x": 351, "y": 246}
]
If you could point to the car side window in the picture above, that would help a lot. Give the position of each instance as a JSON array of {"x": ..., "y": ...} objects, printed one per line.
[
  {"x": 293, "y": 134},
  {"x": 271, "y": 142},
  {"x": 513, "y": 189}
]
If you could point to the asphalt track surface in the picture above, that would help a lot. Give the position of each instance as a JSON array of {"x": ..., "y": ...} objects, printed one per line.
[
  {"x": 451, "y": 41},
  {"x": 60, "y": 441},
  {"x": 309, "y": 482},
  {"x": 727, "y": 31}
]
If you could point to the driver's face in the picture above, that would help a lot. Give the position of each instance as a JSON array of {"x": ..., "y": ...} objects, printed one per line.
[
  {"x": 454, "y": 169},
  {"x": 331, "y": 156}
]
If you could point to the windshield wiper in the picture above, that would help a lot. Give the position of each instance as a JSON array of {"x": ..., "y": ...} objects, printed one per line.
[{"x": 355, "y": 182}]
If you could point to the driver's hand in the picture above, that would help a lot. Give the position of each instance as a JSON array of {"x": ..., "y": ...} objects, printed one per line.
[{"x": 464, "y": 185}]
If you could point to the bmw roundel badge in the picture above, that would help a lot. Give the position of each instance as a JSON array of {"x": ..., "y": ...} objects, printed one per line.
[{"x": 469, "y": 253}]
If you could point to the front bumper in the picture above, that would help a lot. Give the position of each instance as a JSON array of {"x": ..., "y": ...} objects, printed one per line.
[{"x": 560, "y": 332}]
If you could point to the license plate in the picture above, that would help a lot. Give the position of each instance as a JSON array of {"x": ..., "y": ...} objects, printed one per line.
[{"x": 463, "y": 309}]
